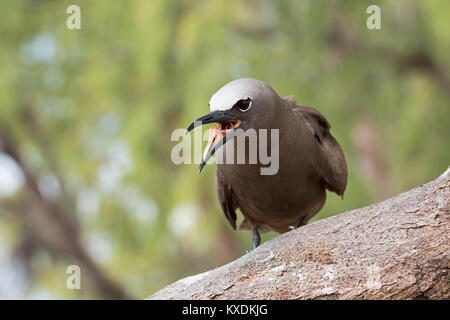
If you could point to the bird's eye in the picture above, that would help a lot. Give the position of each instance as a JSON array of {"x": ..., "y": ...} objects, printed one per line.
[{"x": 244, "y": 104}]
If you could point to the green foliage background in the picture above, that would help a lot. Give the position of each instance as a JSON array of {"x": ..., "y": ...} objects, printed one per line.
[{"x": 91, "y": 113}]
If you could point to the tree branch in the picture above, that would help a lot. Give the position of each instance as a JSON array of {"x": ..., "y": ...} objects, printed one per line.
[{"x": 395, "y": 249}]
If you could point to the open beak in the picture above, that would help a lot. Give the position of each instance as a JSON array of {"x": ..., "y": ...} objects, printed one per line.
[{"x": 221, "y": 133}]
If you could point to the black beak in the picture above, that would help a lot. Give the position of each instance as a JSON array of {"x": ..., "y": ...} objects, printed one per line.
[{"x": 215, "y": 116}]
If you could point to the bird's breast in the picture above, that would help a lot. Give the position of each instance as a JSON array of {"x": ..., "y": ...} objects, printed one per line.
[{"x": 279, "y": 200}]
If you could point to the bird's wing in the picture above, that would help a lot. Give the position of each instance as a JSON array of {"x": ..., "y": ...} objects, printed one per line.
[
  {"x": 227, "y": 199},
  {"x": 332, "y": 167}
]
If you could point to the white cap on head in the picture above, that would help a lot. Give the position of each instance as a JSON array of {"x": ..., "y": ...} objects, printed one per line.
[{"x": 226, "y": 97}]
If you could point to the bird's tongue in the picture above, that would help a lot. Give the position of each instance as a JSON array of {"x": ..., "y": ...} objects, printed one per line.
[{"x": 215, "y": 135}]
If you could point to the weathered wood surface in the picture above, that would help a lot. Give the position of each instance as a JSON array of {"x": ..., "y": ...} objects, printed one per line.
[{"x": 395, "y": 249}]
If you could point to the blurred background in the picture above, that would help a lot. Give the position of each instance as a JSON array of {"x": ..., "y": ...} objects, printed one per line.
[{"x": 86, "y": 117}]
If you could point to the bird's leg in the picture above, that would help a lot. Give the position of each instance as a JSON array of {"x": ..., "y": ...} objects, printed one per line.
[
  {"x": 301, "y": 224},
  {"x": 255, "y": 237}
]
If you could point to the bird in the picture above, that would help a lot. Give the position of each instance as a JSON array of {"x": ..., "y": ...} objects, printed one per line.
[{"x": 311, "y": 161}]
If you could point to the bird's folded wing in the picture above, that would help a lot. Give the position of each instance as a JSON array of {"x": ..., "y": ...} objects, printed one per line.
[
  {"x": 227, "y": 199},
  {"x": 332, "y": 165}
]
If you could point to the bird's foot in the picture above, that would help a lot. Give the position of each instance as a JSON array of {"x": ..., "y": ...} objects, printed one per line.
[{"x": 255, "y": 237}]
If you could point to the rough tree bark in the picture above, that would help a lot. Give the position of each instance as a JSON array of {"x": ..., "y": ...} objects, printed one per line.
[{"x": 395, "y": 249}]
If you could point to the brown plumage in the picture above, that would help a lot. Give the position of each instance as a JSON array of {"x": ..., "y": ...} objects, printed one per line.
[{"x": 310, "y": 160}]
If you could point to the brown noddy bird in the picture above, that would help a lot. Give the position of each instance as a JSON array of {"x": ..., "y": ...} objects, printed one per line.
[{"x": 310, "y": 159}]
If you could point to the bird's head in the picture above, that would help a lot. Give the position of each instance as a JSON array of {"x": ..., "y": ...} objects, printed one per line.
[{"x": 243, "y": 103}]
